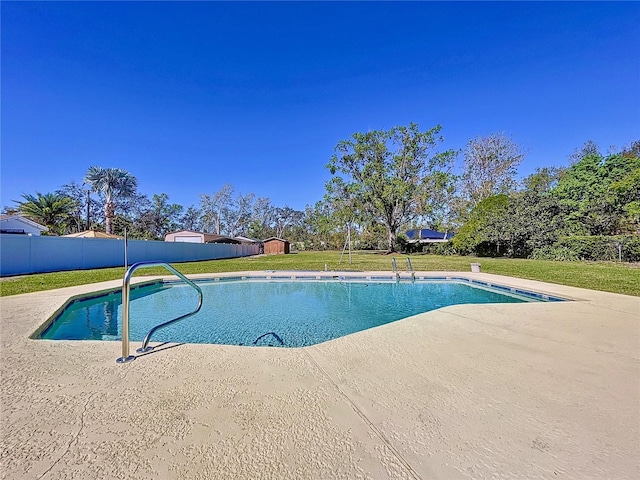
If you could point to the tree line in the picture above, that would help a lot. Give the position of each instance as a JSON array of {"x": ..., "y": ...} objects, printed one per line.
[
  {"x": 108, "y": 200},
  {"x": 387, "y": 182},
  {"x": 383, "y": 183},
  {"x": 557, "y": 211}
]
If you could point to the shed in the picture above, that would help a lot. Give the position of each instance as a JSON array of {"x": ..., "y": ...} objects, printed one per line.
[
  {"x": 189, "y": 236},
  {"x": 275, "y": 245},
  {"x": 17, "y": 224}
]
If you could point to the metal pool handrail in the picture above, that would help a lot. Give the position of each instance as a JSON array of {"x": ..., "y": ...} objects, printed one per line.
[
  {"x": 410, "y": 267},
  {"x": 126, "y": 287}
]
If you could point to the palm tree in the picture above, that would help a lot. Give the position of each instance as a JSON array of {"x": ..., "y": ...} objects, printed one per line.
[
  {"x": 51, "y": 209},
  {"x": 110, "y": 183}
]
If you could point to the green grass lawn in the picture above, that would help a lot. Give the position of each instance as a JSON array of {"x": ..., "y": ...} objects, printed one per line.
[{"x": 605, "y": 276}]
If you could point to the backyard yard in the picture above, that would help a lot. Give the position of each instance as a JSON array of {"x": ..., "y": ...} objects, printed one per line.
[{"x": 604, "y": 276}]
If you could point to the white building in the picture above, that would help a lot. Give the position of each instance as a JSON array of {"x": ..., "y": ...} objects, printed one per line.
[
  {"x": 190, "y": 236},
  {"x": 17, "y": 224}
]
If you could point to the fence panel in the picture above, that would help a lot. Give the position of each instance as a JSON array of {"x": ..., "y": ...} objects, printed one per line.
[{"x": 23, "y": 254}]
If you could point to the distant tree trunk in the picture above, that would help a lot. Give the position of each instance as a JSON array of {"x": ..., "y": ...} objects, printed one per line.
[
  {"x": 391, "y": 240},
  {"x": 109, "y": 213}
]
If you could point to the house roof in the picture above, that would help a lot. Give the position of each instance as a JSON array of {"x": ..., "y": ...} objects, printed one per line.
[
  {"x": 275, "y": 238},
  {"x": 211, "y": 238},
  {"x": 92, "y": 234},
  {"x": 246, "y": 239},
  {"x": 426, "y": 234},
  {"x": 188, "y": 231},
  {"x": 25, "y": 220}
]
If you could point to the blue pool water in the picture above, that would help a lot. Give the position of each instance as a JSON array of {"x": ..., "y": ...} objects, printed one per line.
[{"x": 275, "y": 313}]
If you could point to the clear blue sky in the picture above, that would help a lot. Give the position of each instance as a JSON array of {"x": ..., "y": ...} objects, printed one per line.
[{"x": 190, "y": 96}]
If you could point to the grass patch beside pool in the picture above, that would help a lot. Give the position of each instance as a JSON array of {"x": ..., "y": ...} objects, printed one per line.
[{"x": 604, "y": 276}]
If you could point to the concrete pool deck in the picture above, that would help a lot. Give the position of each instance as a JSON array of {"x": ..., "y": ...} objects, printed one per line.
[{"x": 534, "y": 390}]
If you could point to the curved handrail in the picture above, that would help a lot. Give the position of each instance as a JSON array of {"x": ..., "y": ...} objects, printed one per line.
[
  {"x": 395, "y": 268},
  {"x": 410, "y": 267},
  {"x": 126, "y": 287}
]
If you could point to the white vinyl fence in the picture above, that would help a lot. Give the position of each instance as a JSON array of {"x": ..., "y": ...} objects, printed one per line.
[{"x": 22, "y": 254}]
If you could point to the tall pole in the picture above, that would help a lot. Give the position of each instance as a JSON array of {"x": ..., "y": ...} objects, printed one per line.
[
  {"x": 349, "y": 234},
  {"x": 88, "y": 203},
  {"x": 126, "y": 249},
  {"x": 347, "y": 242}
]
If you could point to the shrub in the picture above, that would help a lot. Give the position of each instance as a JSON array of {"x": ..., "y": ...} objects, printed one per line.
[
  {"x": 402, "y": 243},
  {"x": 557, "y": 253},
  {"x": 631, "y": 248},
  {"x": 601, "y": 247},
  {"x": 439, "y": 248}
]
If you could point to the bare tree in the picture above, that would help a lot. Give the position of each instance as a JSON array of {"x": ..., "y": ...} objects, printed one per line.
[
  {"x": 213, "y": 208},
  {"x": 262, "y": 218},
  {"x": 87, "y": 210},
  {"x": 589, "y": 148},
  {"x": 191, "y": 218},
  {"x": 286, "y": 217},
  {"x": 489, "y": 167},
  {"x": 237, "y": 215},
  {"x": 226, "y": 214}
]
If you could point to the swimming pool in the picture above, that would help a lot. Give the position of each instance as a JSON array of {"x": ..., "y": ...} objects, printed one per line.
[{"x": 270, "y": 312}]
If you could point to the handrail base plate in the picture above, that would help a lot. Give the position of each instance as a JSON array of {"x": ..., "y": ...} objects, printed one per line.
[{"x": 130, "y": 358}]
